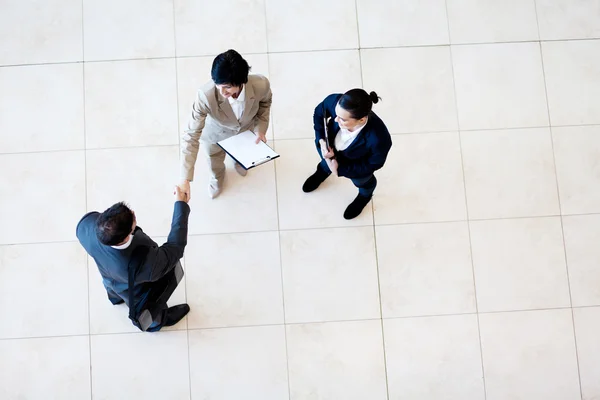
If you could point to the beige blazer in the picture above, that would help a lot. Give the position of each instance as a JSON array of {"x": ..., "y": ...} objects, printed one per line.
[{"x": 213, "y": 120}]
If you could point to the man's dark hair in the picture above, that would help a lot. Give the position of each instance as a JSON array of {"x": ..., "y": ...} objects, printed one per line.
[
  {"x": 230, "y": 68},
  {"x": 114, "y": 225}
]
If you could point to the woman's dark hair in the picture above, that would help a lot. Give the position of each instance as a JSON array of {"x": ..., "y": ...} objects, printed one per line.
[
  {"x": 358, "y": 102},
  {"x": 114, "y": 225},
  {"x": 230, "y": 68}
]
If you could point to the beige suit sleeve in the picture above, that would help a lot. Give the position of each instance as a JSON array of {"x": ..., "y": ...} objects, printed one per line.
[
  {"x": 190, "y": 143},
  {"x": 264, "y": 110}
]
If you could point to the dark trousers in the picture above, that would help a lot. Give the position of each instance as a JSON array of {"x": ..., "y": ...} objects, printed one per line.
[
  {"x": 366, "y": 186},
  {"x": 153, "y": 297},
  {"x": 112, "y": 296}
]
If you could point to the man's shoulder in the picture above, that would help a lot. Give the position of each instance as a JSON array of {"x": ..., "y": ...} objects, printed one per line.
[{"x": 87, "y": 223}]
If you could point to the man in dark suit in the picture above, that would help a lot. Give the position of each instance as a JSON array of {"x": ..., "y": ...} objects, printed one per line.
[{"x": 119, "y": 246}]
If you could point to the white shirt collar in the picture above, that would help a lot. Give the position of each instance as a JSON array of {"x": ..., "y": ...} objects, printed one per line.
[
  {"x": 345, "y": 138},
  {"x": 240, "y": 98},
  {"x": 124, "y": 245}
]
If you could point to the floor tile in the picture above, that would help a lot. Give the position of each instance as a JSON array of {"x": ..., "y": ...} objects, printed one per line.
[
  {"x": 122, "y": 109},
  {"x": 51, "y": 282},
  {"x": 425, "y": 269},
  {"x": 582, "y": 235},
  {"x": 529, "y": 355},
  {"x": 415, "y": 85},
  {"x": 58, "y": 124},
  {"x": 43, "y": 196},
  {"x": 519, "y": 264},
  {"x": 577, "y": 151},
  {"x": 329, "y": 274},
  {"x": 39, "y": 369},
  {"x": 509, "y": 173},
  {"x": 488, "y": 21},
  {"x": 107, "y": 318},
  {"x": 300, "y": 82},
  {"x": 40, "y": 31},
  {"x": 434, "y": 358},
  {"x": 246, "y": 204},
  {"x": 323, "y": 208},
  {"x": 142, "y": 177},
  {"x": 148, "y": 356},
  {"x": 194, "y": 72},
  {"x": 422, "y": 180},
  {"x": 211, "y": 27},
  {"x": 239, "y": 363},
  {"x": 311, "y": 25},
  {"x": 115, "y": 30},
  {"x": 385, "y": 23},
  {"x": 497, "y": 121},
  {"x": 587, "y": 331},
  {"x": 336, "y": 360},
  {"x": 234, "y": 280},
  {"x": 568, "y": 19},
  {"x": 573, "y": 81},
  {"x": 500, "y": 86}
]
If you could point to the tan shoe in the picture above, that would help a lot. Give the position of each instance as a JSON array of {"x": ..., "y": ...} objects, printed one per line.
[
  {"x": 215, "y": 187},
  {"x": 240, "y": 170}
]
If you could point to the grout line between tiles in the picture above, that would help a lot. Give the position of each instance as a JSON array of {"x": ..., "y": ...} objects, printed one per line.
[
  {"x": 562, "y": 228},
  {"x": 178, "y": 113},
  {"x": 187, "y": 334},
  {"x": 462, "y": 164},
  {"x": 298, "y": 323},
  {"x": 373, "y": 227},
  {"x": 272, "y": 123},
  {"x": 304, "y": 51},
  {"x": 387, "y": 386},
  {"x": 295, "y": 138},
  {"x": 328, "y": 227},
  {"x": 87, "y": 261}
]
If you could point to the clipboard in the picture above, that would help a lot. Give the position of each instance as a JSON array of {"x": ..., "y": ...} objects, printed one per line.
[
  {"x": 325, "y": 129},
  {"x": 246, "y": 152},
  {"x": 325, "y": 125}
]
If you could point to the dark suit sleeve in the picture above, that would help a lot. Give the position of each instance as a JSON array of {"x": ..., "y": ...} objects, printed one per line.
[
  {"x": 327, "y": 105},
  {"x": 379, "y": 147},
  {"x": 164, "y": 257},
  {"x": 83, "y": 225}
]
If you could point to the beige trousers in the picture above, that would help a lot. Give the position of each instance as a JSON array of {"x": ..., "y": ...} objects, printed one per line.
[{"x": 215, "y": 156}]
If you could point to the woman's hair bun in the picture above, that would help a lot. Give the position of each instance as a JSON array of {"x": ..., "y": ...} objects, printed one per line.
[{"x": 374, "y": 98}]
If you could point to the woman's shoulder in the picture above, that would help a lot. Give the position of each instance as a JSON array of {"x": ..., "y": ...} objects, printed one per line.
[
  {"x": 376, "y": 126},
  {"x": 260, "y": 83},
  {"x": 333, "y": 98}
]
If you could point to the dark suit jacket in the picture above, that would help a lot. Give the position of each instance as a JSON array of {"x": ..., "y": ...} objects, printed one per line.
[
  {"x": 368, "y": 151},
  {"x": 113, "y": 263}
]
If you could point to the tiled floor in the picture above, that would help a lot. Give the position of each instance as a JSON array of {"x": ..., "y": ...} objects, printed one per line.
[{"x": 474, "y": 274}]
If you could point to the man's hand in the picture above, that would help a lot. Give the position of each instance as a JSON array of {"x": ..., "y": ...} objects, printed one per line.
[
  {"x": 261, "y": 137},
  {"x": 182, "y": 191},
  {"x": 326, "y": 151},
  {"x": 333, "y": 166}
]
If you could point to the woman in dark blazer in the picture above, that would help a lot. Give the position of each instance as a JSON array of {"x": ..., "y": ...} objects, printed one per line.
[{"x": 358, "y": 144}]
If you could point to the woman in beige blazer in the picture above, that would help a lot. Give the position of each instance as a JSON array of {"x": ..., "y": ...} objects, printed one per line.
[{"x": 232, "y": 102}]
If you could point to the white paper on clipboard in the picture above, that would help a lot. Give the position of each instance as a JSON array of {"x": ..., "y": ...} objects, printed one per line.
[{"x": 244, "y": 149}]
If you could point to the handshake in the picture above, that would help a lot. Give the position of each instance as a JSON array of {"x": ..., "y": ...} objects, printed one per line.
[{"x": 182, "y": 192}]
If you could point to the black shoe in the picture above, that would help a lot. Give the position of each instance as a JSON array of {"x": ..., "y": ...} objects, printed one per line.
[
  {"x": 314, "y": 180},
  {"x": 356, "y": 207},
  {"x": 176, "y": 314}
]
